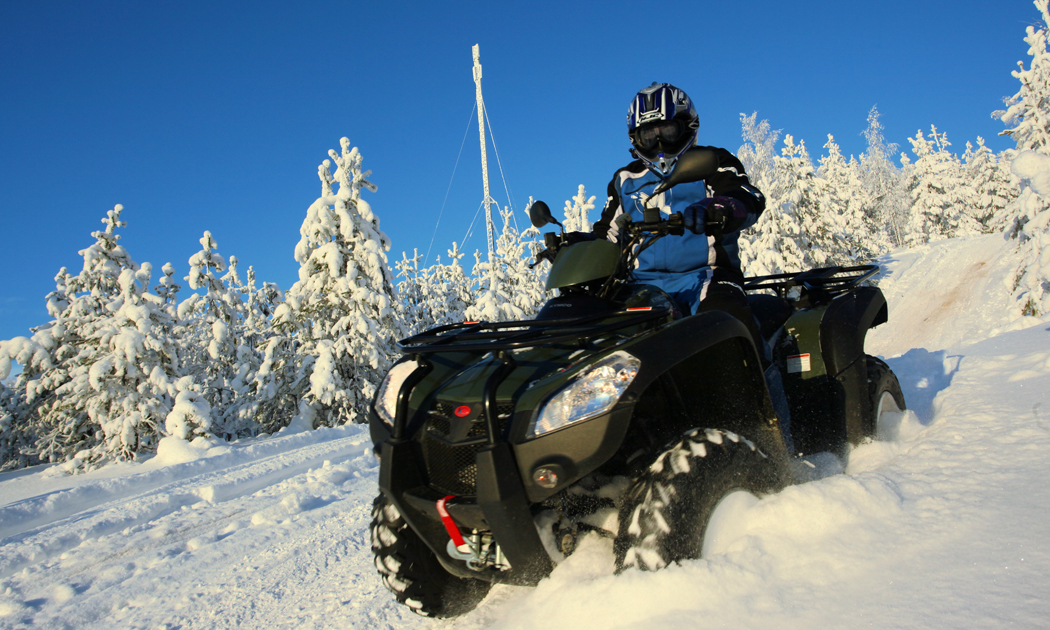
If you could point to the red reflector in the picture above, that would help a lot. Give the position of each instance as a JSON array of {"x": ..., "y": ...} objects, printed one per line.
[
  {"x": 462, "y": 411},
  {"x": 641, "y": 308},
  {"x": 476, "y": 321}
]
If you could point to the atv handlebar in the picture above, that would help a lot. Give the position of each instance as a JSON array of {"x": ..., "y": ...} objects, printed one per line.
[{"x": 638, "y": 235}]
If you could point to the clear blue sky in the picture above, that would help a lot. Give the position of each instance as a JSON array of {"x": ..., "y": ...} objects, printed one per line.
[{"x": 214, "y": 116}]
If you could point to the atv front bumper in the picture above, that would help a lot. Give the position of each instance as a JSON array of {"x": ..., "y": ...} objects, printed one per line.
[{"x": 500, "y": 507}]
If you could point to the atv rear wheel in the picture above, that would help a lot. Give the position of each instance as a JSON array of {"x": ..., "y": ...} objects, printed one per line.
[
  {"x": 884, "y": 391},
  {"x": 412, "y": 572},
  {"x": 666, "y": 514}
]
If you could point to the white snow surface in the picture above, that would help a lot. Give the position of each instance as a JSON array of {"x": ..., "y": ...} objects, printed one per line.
[{"x": 941, "y": 524}]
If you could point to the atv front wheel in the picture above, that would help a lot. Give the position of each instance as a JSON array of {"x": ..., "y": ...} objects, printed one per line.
[
  {"x": 884, "y": 391},
  {"x": 412, "y": 572},
  {"x": 669, "y": 512}
]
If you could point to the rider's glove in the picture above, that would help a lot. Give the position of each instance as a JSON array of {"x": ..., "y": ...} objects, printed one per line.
[
  {"x": 571, "y": 238},
  {"x": 715, "y": 215}
]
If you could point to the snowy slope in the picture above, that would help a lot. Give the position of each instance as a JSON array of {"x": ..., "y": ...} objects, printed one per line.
[{"x": 943, "y": 524}]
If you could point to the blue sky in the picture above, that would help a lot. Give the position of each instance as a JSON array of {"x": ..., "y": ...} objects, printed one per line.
[{"x": 214, "y": 116}]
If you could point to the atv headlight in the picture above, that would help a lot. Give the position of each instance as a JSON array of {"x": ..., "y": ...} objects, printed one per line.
[
  {"x": 386, "y": 399},
  {"x": 591, "y": 393}
]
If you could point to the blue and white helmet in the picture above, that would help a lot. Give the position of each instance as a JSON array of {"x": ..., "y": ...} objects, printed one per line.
[{"x": 662, "y": 124}]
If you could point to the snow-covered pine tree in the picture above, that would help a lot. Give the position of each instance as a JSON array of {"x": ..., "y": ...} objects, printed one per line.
[
  {"x": 432, "y": 296},
  {"x": 1027, "y": 112},
  {"x": 775, "y": 244},
  {"x": 344, "y": 305},
  {"x": 994, "y": 186},
  {"x": 885, "y": 200},
  {"x": 17, "y": 436},
  {"x": 451, "y": 294},
  {"x": 35, "y": 384},
  {"x": 801, "y": 195},
  {"x": 1028, "y": 118},
  {"x": 412, "y": 293},
  {"x": 206, "y": 322},
  {"x": 940, "y": 194},
  {"x": 841, "y": 205},
  {"x": 167, "y": 289},
  {"x": 103, "y": 383},
  {"x": 576, "y": 209},
  {"x": 267, "y": 372},
  {"x": 759, "y": 152},
  {"x": 508, "y": 289}
]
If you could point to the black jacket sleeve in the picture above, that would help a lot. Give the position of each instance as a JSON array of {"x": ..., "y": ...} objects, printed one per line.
[{"x": 732, "y": 181}]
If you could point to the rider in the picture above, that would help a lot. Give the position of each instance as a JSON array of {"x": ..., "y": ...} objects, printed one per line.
[{"x": 701, "y": 268}]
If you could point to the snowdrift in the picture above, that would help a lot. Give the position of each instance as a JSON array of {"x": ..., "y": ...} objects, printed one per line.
[{"x": 941, "y": 523}]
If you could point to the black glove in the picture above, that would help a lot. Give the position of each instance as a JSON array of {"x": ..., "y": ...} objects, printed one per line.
[
  {"x": 715, "y": 215},
  {"x": 571, "y": 238}
]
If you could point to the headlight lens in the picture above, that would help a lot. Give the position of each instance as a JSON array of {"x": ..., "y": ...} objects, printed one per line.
[
  {"x": 386, "y": 399},
  {"x": 590, "y": 394}
]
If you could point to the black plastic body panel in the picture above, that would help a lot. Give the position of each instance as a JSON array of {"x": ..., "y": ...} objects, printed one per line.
[
  {"x": 846, "y": 323},
  {"x": 828, "y": 411}
]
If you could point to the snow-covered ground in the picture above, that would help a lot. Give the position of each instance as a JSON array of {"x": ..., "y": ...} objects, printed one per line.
[{"x": 943, "y": 524}]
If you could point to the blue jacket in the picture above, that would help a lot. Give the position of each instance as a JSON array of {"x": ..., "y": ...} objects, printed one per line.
[{"x": 689, "y": 253}]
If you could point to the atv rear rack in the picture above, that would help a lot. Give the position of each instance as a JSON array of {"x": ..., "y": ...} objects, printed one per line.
[
  {"x": 491, "y": 337},
  {"x": 818, "y": 285}
]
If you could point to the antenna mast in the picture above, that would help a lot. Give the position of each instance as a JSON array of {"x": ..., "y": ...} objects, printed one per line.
[{"x": 489, "y": 226}]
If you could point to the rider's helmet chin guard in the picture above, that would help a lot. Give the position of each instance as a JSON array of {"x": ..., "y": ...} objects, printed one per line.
[{"x": 662, "y": 125}]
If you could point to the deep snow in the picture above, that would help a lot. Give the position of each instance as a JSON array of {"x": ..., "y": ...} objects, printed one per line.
[{"x": 942, "y": 524}]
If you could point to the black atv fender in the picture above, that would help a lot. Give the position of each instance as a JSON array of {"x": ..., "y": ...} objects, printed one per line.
[
  {"x": 829, "y": 395},
  {"x": 842, "y": 333}
]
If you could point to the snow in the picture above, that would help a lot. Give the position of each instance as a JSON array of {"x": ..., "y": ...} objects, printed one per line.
[
  {"x": 942, "y": 524},
  {"x": 1034, "y": 167}
]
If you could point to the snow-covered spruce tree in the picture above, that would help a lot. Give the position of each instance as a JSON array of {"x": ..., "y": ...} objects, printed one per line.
[
  {"x": 885, "y": 200},
  {"x": 205, "y": 322},
  {"x": 107, "y": 385},
  {"x": 267, "y": 372},
  {"x": 994, "y": 186},
  {"x": 801, "y": 196},
  {"x": 17, "y": 436},
  {"x": 412, "y": 291},
  {"x": 775, "y": 244},
  {"x": 343, "y": 308},
  {"x": 941, "y": 195},
  {"x": 841, "y": 205},
  {"x": 508, "y": 289},
  {"x": 759, "y": 152},
  {"x": 454, "y": 284},
  {"x": 222, "y": 330},
  {"x": 576, "y": 209},
  {"x": 1028, "y": 117},
  {"x": 432, "y": 296}
]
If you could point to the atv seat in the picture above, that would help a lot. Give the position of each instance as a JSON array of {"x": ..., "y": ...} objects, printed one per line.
[{"x": 771, "y": 311}]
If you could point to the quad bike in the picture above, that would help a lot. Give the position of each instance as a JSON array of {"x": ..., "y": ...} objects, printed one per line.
[{"x": 501, "y": 444}]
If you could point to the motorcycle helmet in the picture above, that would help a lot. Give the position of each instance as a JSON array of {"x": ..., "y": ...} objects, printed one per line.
[{"x": 662, "y": 124}]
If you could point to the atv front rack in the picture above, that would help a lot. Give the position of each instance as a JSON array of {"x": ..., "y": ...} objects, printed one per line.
[
  {"x": 817, "y": 285},
  {"x": 491, "y": 337}
]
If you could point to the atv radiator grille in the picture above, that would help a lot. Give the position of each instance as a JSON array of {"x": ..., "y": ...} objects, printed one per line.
[{"x": 451, "y": 467}]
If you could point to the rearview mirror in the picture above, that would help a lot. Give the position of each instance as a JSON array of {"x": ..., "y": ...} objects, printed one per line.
[
  {"x": 540, "y": 215},
  {"x": 694, "y": 166}
]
